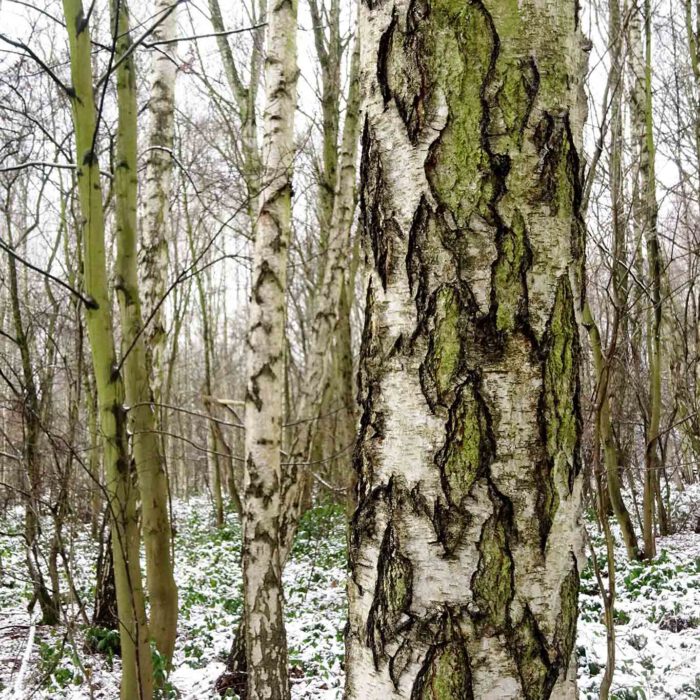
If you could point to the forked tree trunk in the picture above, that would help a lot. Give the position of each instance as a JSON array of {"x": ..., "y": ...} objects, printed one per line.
[
  {"x": 150, "y": 466},
  {"x": 266, "y": 643},
  {"x": 466, "y": 541},
  {"x": 316, "y": 376},
  {"x": 137, "y": 675}
]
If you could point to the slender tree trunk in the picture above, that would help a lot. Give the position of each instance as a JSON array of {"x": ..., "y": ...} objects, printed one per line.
[
  {"x": 466, "y": 541},
  {"x": 245, "y": 97},
  {"x": 95, "y": 487},
  {"x": 266, "y": 643},
  {"x": 318, "y": 371},
  {"x": 137, "y": 676},
  {"x": 316, "y": 377},
  {"x": 605, "y": 366},
  {"x": 150, "y": 466},
  {"x": 214, "y": 460},
  {"x": 646, "y": 214},
  {"x": 153, "y": 254},
  {"x": 605, "y": 434},
  {"x": 31, "y": 423}
]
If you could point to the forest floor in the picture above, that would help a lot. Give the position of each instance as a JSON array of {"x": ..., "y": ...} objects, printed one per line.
[{"x": 657, "y": 614}]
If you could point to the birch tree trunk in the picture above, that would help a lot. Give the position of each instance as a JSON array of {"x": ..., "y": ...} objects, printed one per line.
[
  {"x": 605, "y": 366},
  {"x": 335, "y": 430},
  {"x": 645, "y": 213},
  {"x": 318, "y": 371},
  {"x": 295, "y": 474},
  {"x": 137, "y": 680},
  {"x": 266, "y": 644},
  {"x": 466, "y": 541},
  {"x": 150, "y": 466},
  {"x": 158, "y": 186}
]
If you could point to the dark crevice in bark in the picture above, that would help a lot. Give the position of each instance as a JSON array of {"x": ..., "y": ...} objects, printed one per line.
[
  {"x": 392, "y": 595},
  {"x": 383, "y": 58},
  {"x": 377, "y": 223},
  {"x": 462, "y": 341},
  {"x": 446, "y": 671}
]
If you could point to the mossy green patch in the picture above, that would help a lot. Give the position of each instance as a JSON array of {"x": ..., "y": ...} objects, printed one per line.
[
  {"x": 492, "y": 583},
  {"x": 566, "y": 628},
  {"x": 393, "y": 591},
  {"x": 447, "y": 675},
  {"x": 467, "y": 448},
  {"x": 561, "y": 420},
  {"x": 445, "y": 347},
  {"x": 508, "y": 274},
  {"x": 459, "y": 47},
  {"x": 531, "y": 657}
]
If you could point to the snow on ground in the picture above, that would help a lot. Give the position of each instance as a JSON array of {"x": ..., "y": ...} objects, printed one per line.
[{"x": 657, "y": 615}]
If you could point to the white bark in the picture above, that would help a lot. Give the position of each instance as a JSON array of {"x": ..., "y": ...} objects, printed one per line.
[
  {"x": 325, "y": 321},
  {"x": 262, "y": 566},
  {"x": 467, "y": 537},
  {"x": 158, "y": 185}
]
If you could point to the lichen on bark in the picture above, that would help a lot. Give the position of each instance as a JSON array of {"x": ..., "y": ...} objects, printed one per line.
[
  {"x": 560, "y": 418},
  {"x": 446, "y": 673},
  {"x": 492, "y": 584},
  {"x": 469, "y": 361}
]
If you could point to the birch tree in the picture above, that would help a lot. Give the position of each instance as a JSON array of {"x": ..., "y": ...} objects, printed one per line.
[
  {"x": 153, "y": 253},
  {"x": 465, "y": 544},
  {"x": 147, "y": 451},
  {"x": 266, "y": 646},
  {"x": 648, "y": 254}
]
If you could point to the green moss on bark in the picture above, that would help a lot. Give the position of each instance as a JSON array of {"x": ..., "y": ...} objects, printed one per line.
[
  {"x": 392, "y": 597},
  {"x": 509, "y": 286},
  {"x": 492, "y": 584},
  {"x": 561, "y": 387},
  {"x": 445, "y": 346},
  {"x": 446, "y": 674},
  {"x": 537, "y": 675},
  {"x": 468, "y": 445},
  {"x": 566, "y": 629},
  {"x": 459, "y": 49}
]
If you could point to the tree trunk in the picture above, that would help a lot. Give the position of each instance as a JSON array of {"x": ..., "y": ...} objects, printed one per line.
[
  {"x": 150, "y": 466},
  {"x": 31, "y": 425},
  {"x": 466, "y": 541},
  {"x": 266, "y": 643},
  {"x": 293, "y": 485},
  {"x": 158, "y": 187},
  {"x": 645, "y": 219},
  {"x": 137, "y": 676}
]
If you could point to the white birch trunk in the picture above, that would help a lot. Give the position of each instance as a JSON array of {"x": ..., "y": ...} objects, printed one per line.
[
  {"x": 266, "y": 647},
  {"x": 153, "y": 262},
  {"x": 466, "y": 542},
  {"x": 326, "y": 316}
]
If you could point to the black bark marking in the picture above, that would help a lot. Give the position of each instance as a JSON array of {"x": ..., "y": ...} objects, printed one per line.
[
  {"x": 392, "y": 595},
  {"x": 379, "y": 229}
]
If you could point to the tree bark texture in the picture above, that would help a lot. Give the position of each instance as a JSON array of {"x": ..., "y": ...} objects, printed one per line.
[
  {"x": 466, "y": 541},
  {"x": 266, "y": 644},
  {"x": 645, "y": 212},
  {"x": 153, "y": 254}
]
